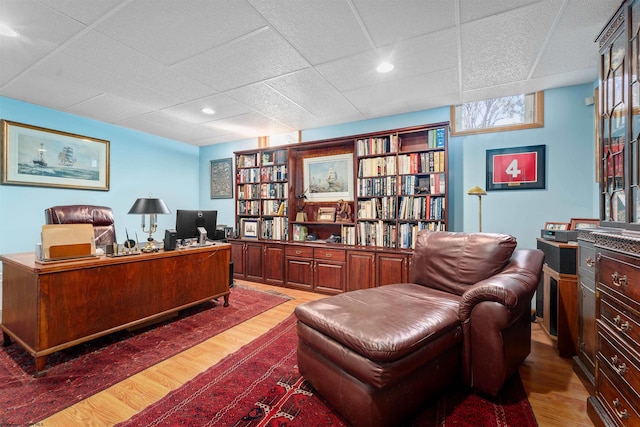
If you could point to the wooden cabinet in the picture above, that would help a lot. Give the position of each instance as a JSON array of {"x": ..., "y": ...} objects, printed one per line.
[
  {"x": 617, "y": 380},
  {"x": 361, "y": 269},
  {"x": 274, "y": 264},
  {"x": 248, "y": 260},
  {"x": 392, "y": 268},
  {"x": 584, "y": 363},
  {"x": 316, "y": 269},
  {"x": 616, "y": 400},
  {"x": 559, "y": 292}
]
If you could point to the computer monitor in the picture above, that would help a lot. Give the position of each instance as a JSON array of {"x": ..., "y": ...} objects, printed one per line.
[{"x": 188, "y": 221}]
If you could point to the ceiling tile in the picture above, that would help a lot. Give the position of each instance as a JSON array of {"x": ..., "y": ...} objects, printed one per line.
[
  {"x": 108, "y": 108},
  {"x": 249, "y": 125},
  {"x": 114, "y": 57},
  {"x": 320, "y": 30},
  {"x": 82, "y": 10},
  {"x": 247, "y": 60},
  {"x": 503, "y": 48},
  {"x": 172, "y": 31},
  {"x": 390, "y": 22},
  {"x": 309, "y": 90},
  {"x": 472, "y": 10}
]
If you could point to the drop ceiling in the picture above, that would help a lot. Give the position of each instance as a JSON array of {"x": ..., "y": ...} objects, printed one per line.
[{"x": 277, "y": 66}]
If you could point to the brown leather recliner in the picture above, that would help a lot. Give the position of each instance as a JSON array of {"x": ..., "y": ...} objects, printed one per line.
[
  {"x": 377, "y": 355},
  {"x": 100, "y": 217}
]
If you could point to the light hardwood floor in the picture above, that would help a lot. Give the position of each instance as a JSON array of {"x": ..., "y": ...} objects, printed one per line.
[{"x": 556, "y": 394}]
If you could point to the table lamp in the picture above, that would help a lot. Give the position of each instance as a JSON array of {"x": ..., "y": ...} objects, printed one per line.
[
  {"x": 477, "y": 191},
  {"x": 151, "y": 207}
]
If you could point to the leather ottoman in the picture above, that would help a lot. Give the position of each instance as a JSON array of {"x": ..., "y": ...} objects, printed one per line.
[{"x": 378, "y": 355}]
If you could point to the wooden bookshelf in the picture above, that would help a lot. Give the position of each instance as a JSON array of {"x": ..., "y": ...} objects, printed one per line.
[{"x": 398, "y": 183}]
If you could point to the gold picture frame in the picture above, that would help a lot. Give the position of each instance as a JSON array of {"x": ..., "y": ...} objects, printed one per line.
[
  {"x": 37, "y": 156},
  {"x": 557, "y": 226},
  {"x": 582, "y": 223}
]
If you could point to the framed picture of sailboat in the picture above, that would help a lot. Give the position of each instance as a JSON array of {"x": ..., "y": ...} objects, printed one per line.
[{"x": 36, "y": 156}]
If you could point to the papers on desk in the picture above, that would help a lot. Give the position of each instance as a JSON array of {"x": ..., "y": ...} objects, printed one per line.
[{"x": 66, "y": 241}]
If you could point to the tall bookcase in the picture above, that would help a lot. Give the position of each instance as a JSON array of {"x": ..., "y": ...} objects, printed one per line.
[
  {"x": 262, "y": 194},
  {"x": 401, "y": 186}
]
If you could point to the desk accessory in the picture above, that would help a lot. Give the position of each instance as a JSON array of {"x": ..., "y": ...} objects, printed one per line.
[{"x": 151, "y": 207}]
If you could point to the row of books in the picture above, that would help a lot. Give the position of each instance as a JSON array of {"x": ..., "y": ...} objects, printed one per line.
[
  {"x": 274, "y": 207},
  {"x": 378, "y": 145},
  {"x": 425, "y": 162},
  {"x": 248, "y": 175},
  {"x": 274, "y": 157},
  {"x": 274, "y": 191},
  {"x": 275, "y": 229},
  {"x": 274, "y": 173},
  {"x": 377, "y": 166},
  {"x": 382, "y": 186},
  {"x": 408, "y": 233},
  {"x": 248, "y": 207},
  {"x": 435, "y": 138},
  {"x": 382, "y": 208},
  {"x": 378, "y": 233},
  {"x": 421, "y": 208},
  {"x": 248, "y": 191},
  {"x": 348, "y": 235}
]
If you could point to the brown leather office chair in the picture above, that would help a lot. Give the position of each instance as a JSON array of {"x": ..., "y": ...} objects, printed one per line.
[{"x": 100, "y": 217}]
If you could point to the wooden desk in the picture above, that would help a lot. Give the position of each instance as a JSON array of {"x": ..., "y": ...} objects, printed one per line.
[
  {"x": 47, "y": 307},
  {"x": 560, "y": 294}
]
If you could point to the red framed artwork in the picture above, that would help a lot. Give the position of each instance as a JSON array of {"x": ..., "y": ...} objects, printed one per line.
[{"x": 518, "y": 168}]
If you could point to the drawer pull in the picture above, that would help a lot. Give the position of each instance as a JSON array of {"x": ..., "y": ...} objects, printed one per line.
[
  {"x": 328, "y": 255},
  {"x": 619, "y": 281},
  {"x": 590, "y": 262},
  {"x": 624, "y": 414},
  {"x": 620, "y": 368},
  {"x": 622, "y": 326},
  {"x": 298, "y": 252}
]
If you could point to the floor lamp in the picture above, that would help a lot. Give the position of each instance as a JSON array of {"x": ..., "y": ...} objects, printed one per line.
[{"x": 477, "y": 191}]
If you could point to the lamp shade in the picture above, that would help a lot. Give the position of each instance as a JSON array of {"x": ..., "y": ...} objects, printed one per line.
[
  {"x": 149, "y": 206},
  {"x": 476, "y": 191}
]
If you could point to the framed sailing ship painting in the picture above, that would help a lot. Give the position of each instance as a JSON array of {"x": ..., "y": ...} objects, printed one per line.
[{"x": 36, "y": 156}]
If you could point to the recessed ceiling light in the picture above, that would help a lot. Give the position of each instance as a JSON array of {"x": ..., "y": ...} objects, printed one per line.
[
  {"x": 208, "y": 110},
  {"x": 6, "y": 31},
  {"x": 385, "y": 67}
]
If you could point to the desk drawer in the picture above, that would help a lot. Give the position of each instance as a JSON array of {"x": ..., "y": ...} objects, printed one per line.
[
  {"x": 299, "y": 251},
  {"x": 330, "y": 254},
  {"x": 587, "y": 258}
]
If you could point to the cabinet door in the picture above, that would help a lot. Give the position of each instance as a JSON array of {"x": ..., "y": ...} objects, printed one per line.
[
  {"x": 253, "y": 262},
  {"x": 300, "y": 273},
  {"x": 360, "y": 270},
  {"x": 237, "y": 257},
  {"x": 392, "y": 268},
  {"x": 330, "y": 276},
  {"x": 587, "y": 326},
  {"x": 274, "y": 264}
]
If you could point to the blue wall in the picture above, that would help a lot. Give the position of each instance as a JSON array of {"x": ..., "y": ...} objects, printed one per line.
[
  {"x": 179, "y": 173},
  {"x": 140, "y": 164}
]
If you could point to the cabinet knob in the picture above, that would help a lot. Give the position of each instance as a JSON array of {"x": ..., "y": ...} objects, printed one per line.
[
  {"x": 328, "y": 255},
  {"x": 298, "y": 252},
  {"x": 590, "y": 262},
  {"x": 622, "y": 326}
]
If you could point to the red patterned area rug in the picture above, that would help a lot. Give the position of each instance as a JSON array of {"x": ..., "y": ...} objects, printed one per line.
[
  {"x": 260, "y": 385},
  {"x": 79, "y": 372}
]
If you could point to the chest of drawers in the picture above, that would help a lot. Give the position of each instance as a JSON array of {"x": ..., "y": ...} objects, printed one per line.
[{"x": 617, "y": 385}]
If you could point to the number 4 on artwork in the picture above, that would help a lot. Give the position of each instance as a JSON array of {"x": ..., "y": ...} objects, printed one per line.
[{"x": 513, "y": 169}]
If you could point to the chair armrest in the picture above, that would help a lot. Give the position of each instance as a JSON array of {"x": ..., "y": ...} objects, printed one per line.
[{"x": 513, "y": 287}]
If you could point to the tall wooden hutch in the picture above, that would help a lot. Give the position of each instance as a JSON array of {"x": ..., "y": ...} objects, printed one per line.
[{"x": 616, "y": 397}]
